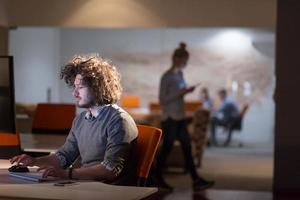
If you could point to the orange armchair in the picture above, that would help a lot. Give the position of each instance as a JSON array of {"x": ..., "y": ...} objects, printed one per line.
[
  {"x": 146, "y": 147},
  {"x": 53, "y": 118}
]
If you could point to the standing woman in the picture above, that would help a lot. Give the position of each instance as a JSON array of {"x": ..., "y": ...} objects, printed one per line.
[{"x": 171, "y": 95}]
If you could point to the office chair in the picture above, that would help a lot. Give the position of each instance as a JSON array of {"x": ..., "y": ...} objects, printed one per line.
[
  {"x": 228, "y": 129},
  {"x": 53, "y": 118},
  {"x": 146, "y": 147}
]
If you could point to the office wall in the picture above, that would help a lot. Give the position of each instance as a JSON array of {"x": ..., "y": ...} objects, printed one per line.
[
  {"x": 36, "y": 60},
  {"x": 141, "y": 13},
  {"x": 147, "y": 53},
  {"x": 142, "y": 55}
]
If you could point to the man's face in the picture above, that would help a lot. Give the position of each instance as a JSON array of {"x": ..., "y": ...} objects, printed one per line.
[
  {"x": 83, "y": 94},
  {"x": 222, "y": 95}
]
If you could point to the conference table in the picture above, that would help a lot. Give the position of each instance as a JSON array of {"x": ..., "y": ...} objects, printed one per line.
[{"x": 16, "y": 188}]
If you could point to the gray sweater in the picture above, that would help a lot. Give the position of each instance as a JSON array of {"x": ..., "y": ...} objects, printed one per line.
[{"x": 106, "y": 139}]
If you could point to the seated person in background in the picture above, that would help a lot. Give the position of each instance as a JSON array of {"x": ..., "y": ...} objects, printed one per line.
[
  {"x": 205, "y": 99},
  {"x": 226, "y": 115},
  {"x": 103, "y": 135}
]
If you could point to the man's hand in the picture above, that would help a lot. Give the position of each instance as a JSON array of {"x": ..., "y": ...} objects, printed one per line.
[
  {"x": 23, "y": 159},
  {"x": 53, "y": 171}
]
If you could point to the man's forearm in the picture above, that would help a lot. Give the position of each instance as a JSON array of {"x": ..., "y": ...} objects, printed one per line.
[
  {"x": 50, "y": 160},
  {"x": 95, "y": 172}
]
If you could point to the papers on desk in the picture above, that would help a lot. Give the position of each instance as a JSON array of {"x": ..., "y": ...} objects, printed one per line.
[{"x": 33, "y": 176}]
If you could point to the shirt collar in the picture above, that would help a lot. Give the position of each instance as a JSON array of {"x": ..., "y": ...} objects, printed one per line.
[{"x": 89, "y": 114}]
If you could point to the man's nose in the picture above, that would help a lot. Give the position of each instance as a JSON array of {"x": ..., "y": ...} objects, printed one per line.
[{"x": 75, "y": 92}]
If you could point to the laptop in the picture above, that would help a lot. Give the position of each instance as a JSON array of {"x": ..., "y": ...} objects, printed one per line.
[{"x": 34, "y": 176}]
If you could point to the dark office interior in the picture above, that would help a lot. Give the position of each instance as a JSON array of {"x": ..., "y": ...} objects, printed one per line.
[{"x": 261, "y": 160}]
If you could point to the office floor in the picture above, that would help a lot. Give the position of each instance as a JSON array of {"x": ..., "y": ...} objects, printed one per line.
[
  {"x": 212, "y": 194},
  {"x": 240, "y": 173}
]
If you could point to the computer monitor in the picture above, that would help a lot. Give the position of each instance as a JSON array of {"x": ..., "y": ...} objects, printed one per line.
[
  {"x": 7, "y": 96},
  {"x": 9, "y": 139}
]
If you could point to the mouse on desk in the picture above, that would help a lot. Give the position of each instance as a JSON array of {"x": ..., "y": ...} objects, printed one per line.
[{"x": 18, "y": 168}]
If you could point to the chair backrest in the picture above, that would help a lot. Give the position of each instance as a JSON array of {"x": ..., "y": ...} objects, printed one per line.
[
  {"x": 9, "y": 145},
  {"x": 130, "y": 101},
  {"x": 238, "y": 124},
  {"x": 146, "y": 147},
  {"x": 244, "y": 110},
  {"x": 53, "y": 118},
  {"x": 192, "y": 106},
  {"x": 200, "y": 122},
  {"x": 154, "y": 107},
  {"x": 189, "y": 106}
]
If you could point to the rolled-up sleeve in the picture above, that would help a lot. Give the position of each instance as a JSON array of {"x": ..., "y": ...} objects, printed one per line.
[
  {"x": 119, "y": 138},
  {"x": 68, "y": 153}
]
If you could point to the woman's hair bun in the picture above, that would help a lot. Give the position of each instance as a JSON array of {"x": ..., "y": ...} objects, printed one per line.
[{"x": 182, "y": 45}]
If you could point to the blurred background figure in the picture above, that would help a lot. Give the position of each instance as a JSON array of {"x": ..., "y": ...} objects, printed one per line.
[
  {"x": 205, "y": 99},
  {"x": 227, "y": 114},
  {"x": 174, "y": 125}
]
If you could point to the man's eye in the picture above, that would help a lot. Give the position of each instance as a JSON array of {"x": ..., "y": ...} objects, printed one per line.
[{"x": 78, "y": 87}]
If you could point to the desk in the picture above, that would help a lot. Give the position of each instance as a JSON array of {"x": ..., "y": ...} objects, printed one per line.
[{"x": 20, "y": 189}]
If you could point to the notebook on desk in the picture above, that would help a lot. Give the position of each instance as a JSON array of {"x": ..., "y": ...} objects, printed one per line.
[{"x": 33, "y": 176}]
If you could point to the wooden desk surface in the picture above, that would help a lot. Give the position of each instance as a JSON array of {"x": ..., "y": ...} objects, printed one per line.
[
  {"x": 20, "y": 189},
  {"x": 80, "y": 190}
]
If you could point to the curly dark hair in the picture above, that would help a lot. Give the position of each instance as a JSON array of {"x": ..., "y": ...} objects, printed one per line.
[{"x": 99, "y": 74}]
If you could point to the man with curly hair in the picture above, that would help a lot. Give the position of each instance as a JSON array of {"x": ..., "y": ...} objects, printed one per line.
[{"x": 103, "y": 135}]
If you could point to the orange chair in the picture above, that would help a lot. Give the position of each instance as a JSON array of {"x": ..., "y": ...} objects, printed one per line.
[
  {"x": 154, "y": 107},
  {"x": 53, "y": 118},
  {"x": 9, "y": 145},
  {"x": 192, "y": 106},
  {"x": 146, "y": 147},
  {"x": 244, "y": 110},
  {"x": 128, "y": 101}
]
